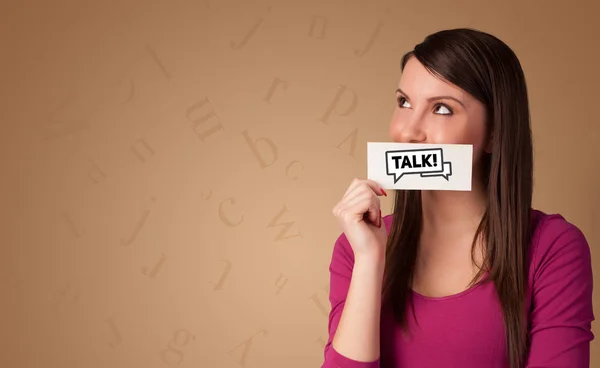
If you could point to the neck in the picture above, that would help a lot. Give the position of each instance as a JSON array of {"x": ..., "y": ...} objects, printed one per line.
[
  {"x": 452, "y": 213},
  {"x": 450, "y": 220}
]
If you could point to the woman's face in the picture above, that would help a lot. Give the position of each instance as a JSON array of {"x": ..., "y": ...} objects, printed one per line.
[{"x": 430, "y": 110}]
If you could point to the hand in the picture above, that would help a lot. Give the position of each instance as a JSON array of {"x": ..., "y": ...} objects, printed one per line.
[{"x": 359, "y": 214}]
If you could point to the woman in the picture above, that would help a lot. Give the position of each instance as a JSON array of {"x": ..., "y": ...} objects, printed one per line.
[{"x": 460, "y": 279}]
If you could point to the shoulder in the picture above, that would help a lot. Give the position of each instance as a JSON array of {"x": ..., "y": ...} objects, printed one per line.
[
  {"x": 556, "y": 243},
  {"x": 554, "y": 240},
  {"x": 560, "y": 300}
]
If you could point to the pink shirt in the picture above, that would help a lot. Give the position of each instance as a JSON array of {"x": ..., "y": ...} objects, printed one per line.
[{"x": 465, "y": 330}]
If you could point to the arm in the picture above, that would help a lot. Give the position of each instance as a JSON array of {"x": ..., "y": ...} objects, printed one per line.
[
  {"x": 354, "y": 319},
  {"x": 561, "y": 311}
]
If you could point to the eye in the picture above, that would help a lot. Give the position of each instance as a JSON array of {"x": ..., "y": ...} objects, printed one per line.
[
  {"x": 401, "y": 100},
  {"x": 443, "y": 108}
]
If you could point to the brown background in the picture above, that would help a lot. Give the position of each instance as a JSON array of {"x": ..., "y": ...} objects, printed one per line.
[{"x": 169, "y": 168}]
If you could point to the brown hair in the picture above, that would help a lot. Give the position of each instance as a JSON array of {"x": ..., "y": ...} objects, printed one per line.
[{"x": 488, "y": 69}]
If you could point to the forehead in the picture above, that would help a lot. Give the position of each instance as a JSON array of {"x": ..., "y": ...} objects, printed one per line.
[{"x": 418, "y": 82}]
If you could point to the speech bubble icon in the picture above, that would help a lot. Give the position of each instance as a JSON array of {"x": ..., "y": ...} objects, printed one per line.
[
  {"x": 426, "y": 162},
  {"x": 444, "y": 174}
]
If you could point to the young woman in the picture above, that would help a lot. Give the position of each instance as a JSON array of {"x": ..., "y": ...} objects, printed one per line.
[{"x": 460, "y": 279}]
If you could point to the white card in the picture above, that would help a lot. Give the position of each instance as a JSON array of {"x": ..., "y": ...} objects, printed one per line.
[{"x": 420, "y": 166}]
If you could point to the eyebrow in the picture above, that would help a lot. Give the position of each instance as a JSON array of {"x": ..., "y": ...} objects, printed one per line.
[{"x": 435, "y": 98}]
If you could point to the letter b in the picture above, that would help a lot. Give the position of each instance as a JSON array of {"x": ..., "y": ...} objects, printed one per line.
[{"x": 253, "y": 146}]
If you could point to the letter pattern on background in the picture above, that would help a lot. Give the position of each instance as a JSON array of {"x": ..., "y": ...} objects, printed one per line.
[
  {"x": 75, "y": 231},
  {"x": 280, "y": 283},
  {"x": 117, "y": 339},
  {"x": 66, "y": 297},
  {"x": 350, "y": 106},
  {"x": 226, "y": 219},
  {"x": 198, "y": 124},
  {"x": 142, "y": 153},
  {"x": 370, "y": 42},
  {"x": 207, "y": 115},
  {"x": 152, "y": 272},
  {"x": 318, "y": 27},
  {"x": 224, "y": 275},
  {"x": 248, "y": 36},
  {"x": 173, "y": 354},
  {"x": 95, "y": 173},
  {"x": 127, "y": 86},
  {"x": 158, "y": 62},
  {"x": 63, "y": 128},
  {"x": 350, "y": 140},
  {"x": 242, "y": 351},
  {"x": 266, "y": 153},
  {"x": 276, "y": 83},
  {"x": 138, "y": 227},
  {"x": 285, "y": 226},
  {"x": 206, "y": 123},
  {"x": 320, "y": 300}
]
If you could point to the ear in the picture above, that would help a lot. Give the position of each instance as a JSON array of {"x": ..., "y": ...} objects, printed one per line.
[
  {"x": 488, "y": 148},
  {"x": 490, "y": 139}
]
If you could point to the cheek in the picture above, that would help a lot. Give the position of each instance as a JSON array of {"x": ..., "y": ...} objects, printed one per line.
[
  {"x": 476, "y": 135},
  {"x": 450, "y": 131},
  {"x": 460, "y": 131}
]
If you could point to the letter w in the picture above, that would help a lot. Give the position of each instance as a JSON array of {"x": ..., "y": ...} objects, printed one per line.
[{"x": 286, "y": 226}]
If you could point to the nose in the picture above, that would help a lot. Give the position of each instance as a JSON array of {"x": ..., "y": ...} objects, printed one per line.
[{"x": 405, "y": 129}]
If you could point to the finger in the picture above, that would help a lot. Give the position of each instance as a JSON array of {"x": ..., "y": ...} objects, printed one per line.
[
  {"x": 363, "y": 193},
  {"x": 374, "y": 213},
  {"x": 356, "y": 184},
  {"x": 353, "y": 185},
  {"x": 376, "y": 187},
  {"x": 363, "y": 206}
]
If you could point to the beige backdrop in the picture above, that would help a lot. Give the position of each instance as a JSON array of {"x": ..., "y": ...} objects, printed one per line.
[{"x": 169, "y": 168}]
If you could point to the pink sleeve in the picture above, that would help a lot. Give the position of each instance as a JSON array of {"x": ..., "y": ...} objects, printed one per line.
[
  {"x": 340, "y": 271},
  {"x": 561, "y": 310}
]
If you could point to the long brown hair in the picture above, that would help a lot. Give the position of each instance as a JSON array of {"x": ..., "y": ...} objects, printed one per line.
[{"x": 488, "y": 69}]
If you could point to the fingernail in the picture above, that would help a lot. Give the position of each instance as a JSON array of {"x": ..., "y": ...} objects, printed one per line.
[{"x": 383, "y": 192}]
